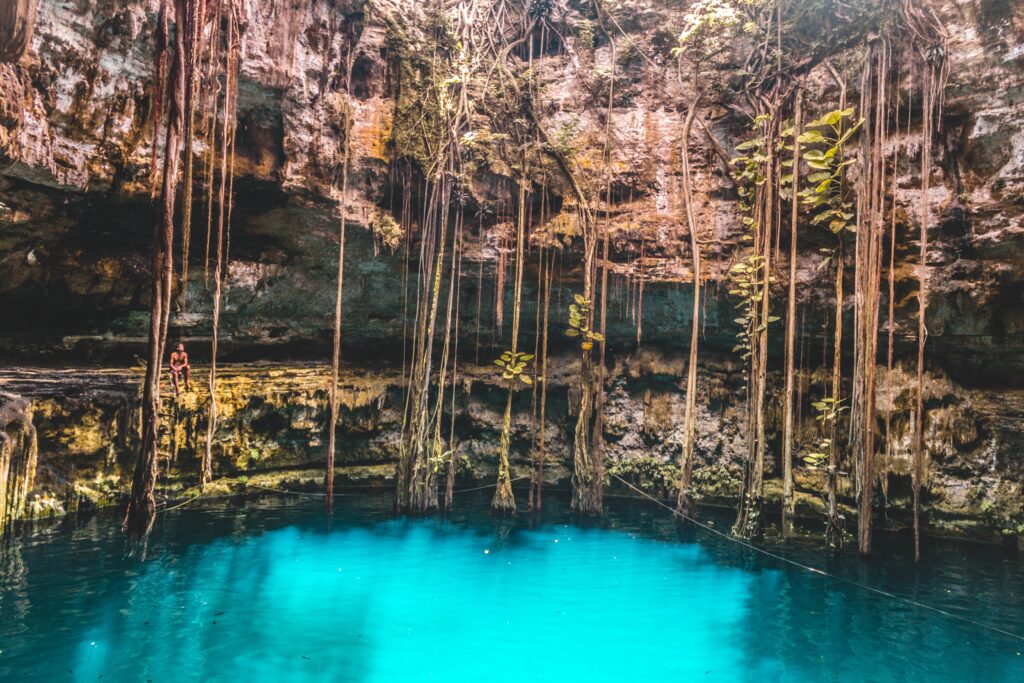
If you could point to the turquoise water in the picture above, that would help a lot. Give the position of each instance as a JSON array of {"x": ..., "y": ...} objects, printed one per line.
[{"x": 270, "y": 590}]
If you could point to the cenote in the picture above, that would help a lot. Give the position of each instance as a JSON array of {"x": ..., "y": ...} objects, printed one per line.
[
  {"x": 271, "y": 589},
  {"x": 511, "y": 340}
]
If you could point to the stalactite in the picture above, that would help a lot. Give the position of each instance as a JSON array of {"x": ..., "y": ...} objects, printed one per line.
[
  {"x": 19, "y": 453},
  {"x": 499, "y": 288},
  {"x": 17, "y": 22},
  {"x": 159, "y": 88}
]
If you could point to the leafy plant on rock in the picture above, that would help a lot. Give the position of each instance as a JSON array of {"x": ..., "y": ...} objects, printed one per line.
[
  {"x": 513, "y": 364},
  {"x": 579, "y": 323},
  {"x": 828, "y": 195}
]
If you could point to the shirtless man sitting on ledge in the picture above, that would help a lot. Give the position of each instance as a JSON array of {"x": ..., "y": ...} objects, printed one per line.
[{"x": 179, "y": 368}]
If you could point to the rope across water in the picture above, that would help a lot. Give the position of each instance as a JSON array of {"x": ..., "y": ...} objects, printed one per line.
[{"x": 821, "y": 572}]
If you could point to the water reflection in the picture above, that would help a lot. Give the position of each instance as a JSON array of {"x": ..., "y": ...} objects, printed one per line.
[{"x": 267, "y": 589}]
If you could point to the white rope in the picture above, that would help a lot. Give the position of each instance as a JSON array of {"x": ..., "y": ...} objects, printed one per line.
[
  {"x": 181, "y": 505},
  {"x": 821, "y": 572},
  {"x": 294, "y": 493},
  {"x": 489, "y": 486}
]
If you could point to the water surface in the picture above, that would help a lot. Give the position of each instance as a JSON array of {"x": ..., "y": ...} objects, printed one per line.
[{"x": 270, "y": 590}]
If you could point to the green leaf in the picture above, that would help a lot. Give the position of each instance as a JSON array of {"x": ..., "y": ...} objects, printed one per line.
[
  {"x": 810, "y": 137},
  {"x": 833, "y": 117},
  {"x": 579, "y": 299},
  {"x": 572, "y": 332},
  {"x": 526, "y": 379}
]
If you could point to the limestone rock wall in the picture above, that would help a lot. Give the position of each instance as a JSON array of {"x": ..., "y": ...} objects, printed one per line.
[
  {"x": 75, "y": 222},
  {"x": 272, "y": 433},
  {"x": 75, "y": 148},
  {"x": 18, "y": 454}
]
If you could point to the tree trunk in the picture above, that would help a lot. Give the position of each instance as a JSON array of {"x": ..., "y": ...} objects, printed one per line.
[
  {"x": 788, "y": 423},
  {"x": 684, "y": 502},
  {"x": 504, "y": 502},
  {"x": 206, "y": 469},
  {"x": 834, "y": 526},
  {"x": 332, "y": 427},
  {"x": 141, "y": 512}
]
